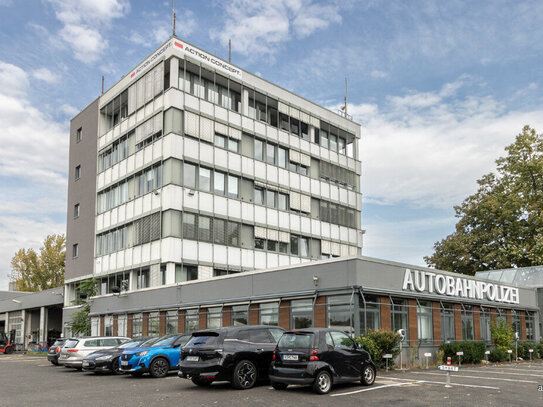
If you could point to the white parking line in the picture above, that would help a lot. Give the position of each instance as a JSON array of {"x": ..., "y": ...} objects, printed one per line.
[
  {"x": 478, "y": 377},
  {"x": 370, "y": 388},
  {"x": 507, "y": 373},
  {"x": 518, "y": 369},
  {"x": 441, "y": 383}
]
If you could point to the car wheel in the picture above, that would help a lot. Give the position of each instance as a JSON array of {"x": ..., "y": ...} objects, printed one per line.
[
  {"x": 201, "y": 382},
  {"x": 245, "y": 375},
  {"x": 279, "y": 386},
  {"x": 9, "y": 350},
  {"x": 54, "y": 363},
  {"x": 322, "y": 383},
  {"x": 159, "y": 367},
  {"x": 115, "y": 366},
  {"x": 368, "y": 375}
]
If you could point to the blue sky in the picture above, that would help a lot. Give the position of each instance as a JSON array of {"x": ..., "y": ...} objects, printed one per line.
[{"x": 440, "y": 88}]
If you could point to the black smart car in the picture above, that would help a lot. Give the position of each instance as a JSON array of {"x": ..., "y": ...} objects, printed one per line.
[
  {"x": 54, "y": 350},
  {"x": 240, "y": 355},
  {"x": 319, "y": 357},
  {"x": 107, "y": 360}
]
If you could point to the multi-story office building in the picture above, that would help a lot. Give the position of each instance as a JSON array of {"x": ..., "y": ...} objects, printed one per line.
[{"x": 190, "y": 168}]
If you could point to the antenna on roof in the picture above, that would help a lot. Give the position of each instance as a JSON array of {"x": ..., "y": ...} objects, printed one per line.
[
  {"x": 173, "y": 20},
  {"x": 230, "y": 51},
  {"x": 344, "y": 107},
  {"x": 102, "y": 84}
]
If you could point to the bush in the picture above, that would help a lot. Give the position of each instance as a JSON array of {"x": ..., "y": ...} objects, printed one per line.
[
  {"x": 474, "y": 352},
  {"x": 502, "y": 334},
  {"x": 523, "y": 350},
  {"x": 380, "y": 342},
  {"x": 540, "y": 348},
  {"x": 498, "y": 355}
]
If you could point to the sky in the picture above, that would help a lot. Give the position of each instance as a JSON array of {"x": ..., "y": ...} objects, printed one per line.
[{"x": 439, "y": 88}]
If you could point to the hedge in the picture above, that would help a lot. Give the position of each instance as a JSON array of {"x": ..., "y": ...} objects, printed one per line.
[
  {"x": 474, "y": 352},
  {"x": 380, "y": 342},
  {"x": 498, "y": 355}
]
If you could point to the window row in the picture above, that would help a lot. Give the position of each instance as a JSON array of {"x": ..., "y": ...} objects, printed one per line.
[
  {"x": 338, "y": 175},
  {"x": 208, "y": 180},
  {"x": 226, "y": 142},
  {"x": 119, "y": 150},
  {"x": 270, "y": 198},
  {"x": 337, "y": 214}
]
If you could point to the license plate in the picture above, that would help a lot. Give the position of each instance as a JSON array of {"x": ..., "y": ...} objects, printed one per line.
[
  {"x": 290, "y": 357},
  {"x": 192, "y": 358},
  {"x": 123, "y": 363},
  {"x": 86, "y": 364},
  {"x": 63, "y": 356}
]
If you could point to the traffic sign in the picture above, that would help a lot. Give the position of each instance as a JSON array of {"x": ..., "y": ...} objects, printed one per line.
[
  {"x": 387, "y": 356},
  {"x": 509, "y": 351},
  {"x": 449, "y": 368},
  {"x": 459, "y": 353},
  {"x": 428, "y": 355},
  {"x": 487, "y": 352}
]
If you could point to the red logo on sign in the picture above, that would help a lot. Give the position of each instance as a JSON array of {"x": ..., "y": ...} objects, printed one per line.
[
  {"x": 178, "y": 44},
  {"x": 133, "y": 73}
]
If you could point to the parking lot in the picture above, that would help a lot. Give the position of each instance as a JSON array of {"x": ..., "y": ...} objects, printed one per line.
[{"x": 28, "y": 380}]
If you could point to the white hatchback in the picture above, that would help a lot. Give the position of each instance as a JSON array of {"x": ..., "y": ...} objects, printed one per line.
[{"x": 76, "y": 349}]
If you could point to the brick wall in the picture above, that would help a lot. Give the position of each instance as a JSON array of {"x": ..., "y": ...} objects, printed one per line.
[
  {"x": 319, "y": 313},
  {"x": 253, "y": 314},
  {"x": 509, "y": 318},
  {"x": 284, "y": 314},
  {"x": 413, "y": 325},
  {"x": 436, "y": 319},
  {"x": 181, "y": 321},
  {"x": 457, "y": 322},
  {"x": 385, "y": 313},
  {"x": 202, "y": 322},
  {"x": 227, "y": 316},
  {"x": 145, "y": 324},
  {"x": 101, "y": 333},
  {"x": 476, "y": 323},
  {"x": 129, "y": 325}
]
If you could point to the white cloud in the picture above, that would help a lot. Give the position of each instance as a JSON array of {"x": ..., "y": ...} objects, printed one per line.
[
  {"x": 257, "y": 28},
  {"x": 44, "y": 74},
  {"x": 83, "y": 21},
  {"x": 69, "y": 110},
  {"x": 427, "y": 149},
  {"x": 377, "y": 74},
  {"x": 13, "y": 80}
]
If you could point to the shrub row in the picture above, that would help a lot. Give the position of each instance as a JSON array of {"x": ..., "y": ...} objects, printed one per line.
[
  {"x": 379, "y": 343},
  {"x": 474, "y": 352}
]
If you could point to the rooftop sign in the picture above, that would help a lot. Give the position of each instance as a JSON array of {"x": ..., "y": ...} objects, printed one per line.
[{"x": 426, "y": 281}]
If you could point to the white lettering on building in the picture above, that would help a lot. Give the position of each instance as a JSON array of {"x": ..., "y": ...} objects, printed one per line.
[{"x": 426, "y": 281}]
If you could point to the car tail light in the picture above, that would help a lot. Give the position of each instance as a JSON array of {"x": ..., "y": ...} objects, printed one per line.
[
  {"x": 313, "y": 355},
  {"x": 274, "y": 352},
  {"x": 73, "y": 350},
  {"x": 57, "y": 350}
]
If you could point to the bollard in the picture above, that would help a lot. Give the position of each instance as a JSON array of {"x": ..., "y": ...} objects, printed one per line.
[
  {"x": 427, "y": 355},
  {"x": 448, "y": 383},
  {"x": 531, "y": 351},
  {"x": 510, "y": 351},
  {"x": 487, "y": 352},
  {"x": 459, "y": 354}
]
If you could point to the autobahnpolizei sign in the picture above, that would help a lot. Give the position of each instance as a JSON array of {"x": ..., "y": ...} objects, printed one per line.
[{"x": 459, "y": 287}]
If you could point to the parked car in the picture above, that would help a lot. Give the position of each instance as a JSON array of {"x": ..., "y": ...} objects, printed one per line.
[
  {"x": 157, "y": 359},
  {"x": 76, "y": 349},
  {"x": 240, "y": 355},
  {"x": 319, "y": 357},
  {"x": 107, "y": 360},
  {"x": 54, "y": 350}
]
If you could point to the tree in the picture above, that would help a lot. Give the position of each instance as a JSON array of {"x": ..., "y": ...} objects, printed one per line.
[
  {"x": 501, "y": 225},
  {"x": 80, "y": 320},
  {"x": 35, "y": 272}
]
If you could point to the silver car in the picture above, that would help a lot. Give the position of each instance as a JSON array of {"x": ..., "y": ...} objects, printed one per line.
[{"x": 76, "y": 349}]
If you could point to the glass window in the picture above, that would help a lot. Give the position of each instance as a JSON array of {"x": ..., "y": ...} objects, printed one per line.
[
  {"x": 272, "y": 245},
  {"x": 333, "y": 142},
  {"x": 259, "y": 150},
  {"x": 270, "y": 198},
  {"x": 172, "y": 321},
  {"x": 205, "y": 179},
  {"x": 370, "y": 316},
  {"x": 447, "y": 323},
  {"x": 240, "y": 315},
  {"x": 282, "y": 201},
  {"x": 270, "y": 154},
  {"x": 233, "y": 145},
  {"x": 530, "y": 335},
  {"x": 192, "y": 320},
  {"x": 269, "y": 314},
  {"x": 233, "y": 186},
  {"x": 282, "y": 157},
  {"x": 340, "y": 312},
  {"x": 467, "y": 323},
  {"x": 204, "y": 228},
  {"x": 259, "y": 196},
  {"x": 232, "y": 234},
  {"x": 294, "y": 245},
  {"x": 214, "y": 317},
  {"x": 301, "y": 314},
  {"x": 136, "y": 325},
  {"x": 283, "y": 247},
  {"x": 424, "y": 319},
  {"x": 304, "y": 247},
  {"x": 341, "y": 145},
  {"x": 484, "y": 320},
  {"x": 153, "y": 324},
  {"x": 143, "y": 278},
  {"x": 324, "y": 138},
  {"x": 218, "y": 183},
  {"x": 220, "y": 141},
  {"x": 342, "y": 341},
  {"x": 189, "y": 226},
  {"x": 219, "y": 232},
  {"x": 260, "y": 243},
  {"x": 399, "y": 316},
  {"x": 189, "y": 175}
]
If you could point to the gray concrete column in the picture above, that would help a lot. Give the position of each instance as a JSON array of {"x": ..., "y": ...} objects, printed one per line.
[
  {"x": 174, "y": 73},
  {"x": 6, "y": 325},
  {"x": 356, "y": 316},
  {"x": 23, "y": 328},
  {"x": 245, "y": 102},
  {"x": 43, "y": 327}
]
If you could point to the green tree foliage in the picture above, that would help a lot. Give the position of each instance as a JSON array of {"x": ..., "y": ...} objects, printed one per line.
[
  {"x": 33, "y": 271},
  {"x": 502, "y": 334},
  {"x": 81, "y": 324},
  {"x": 501, "y": 225},
  {"x": 380, "y": 342}
]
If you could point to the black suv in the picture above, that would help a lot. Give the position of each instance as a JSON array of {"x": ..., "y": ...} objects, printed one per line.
[
  {"x": 54, "y": 350},
  {"x": 320, "y": 357},
  {"x": 240, "y": 355}
]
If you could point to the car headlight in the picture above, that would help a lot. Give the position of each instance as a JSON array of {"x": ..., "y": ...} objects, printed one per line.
[
  {"x": 105, "y": 357},
  {"x": 145, "y": 352}
]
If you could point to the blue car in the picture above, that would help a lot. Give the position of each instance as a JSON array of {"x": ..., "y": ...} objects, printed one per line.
[{"x": 157, "y": 359}]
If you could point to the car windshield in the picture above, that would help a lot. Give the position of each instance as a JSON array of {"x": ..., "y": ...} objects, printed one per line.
[
  {"x": 295, "y": 340},
  {"x": 57, "y": 343},
  {"x": 131, "y": 344},
  {"x": 164, "y": 341},
  {"x": 71, "y": 343},
  {"x": 203, "y": 339},
  {"x": 150, "y": 342}
]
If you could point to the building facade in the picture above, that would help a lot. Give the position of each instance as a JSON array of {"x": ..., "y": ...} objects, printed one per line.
[{"x": 190, "y": 168}]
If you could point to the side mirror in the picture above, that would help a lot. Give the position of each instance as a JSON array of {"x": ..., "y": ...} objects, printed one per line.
[{"x": 176, "y": 346}]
